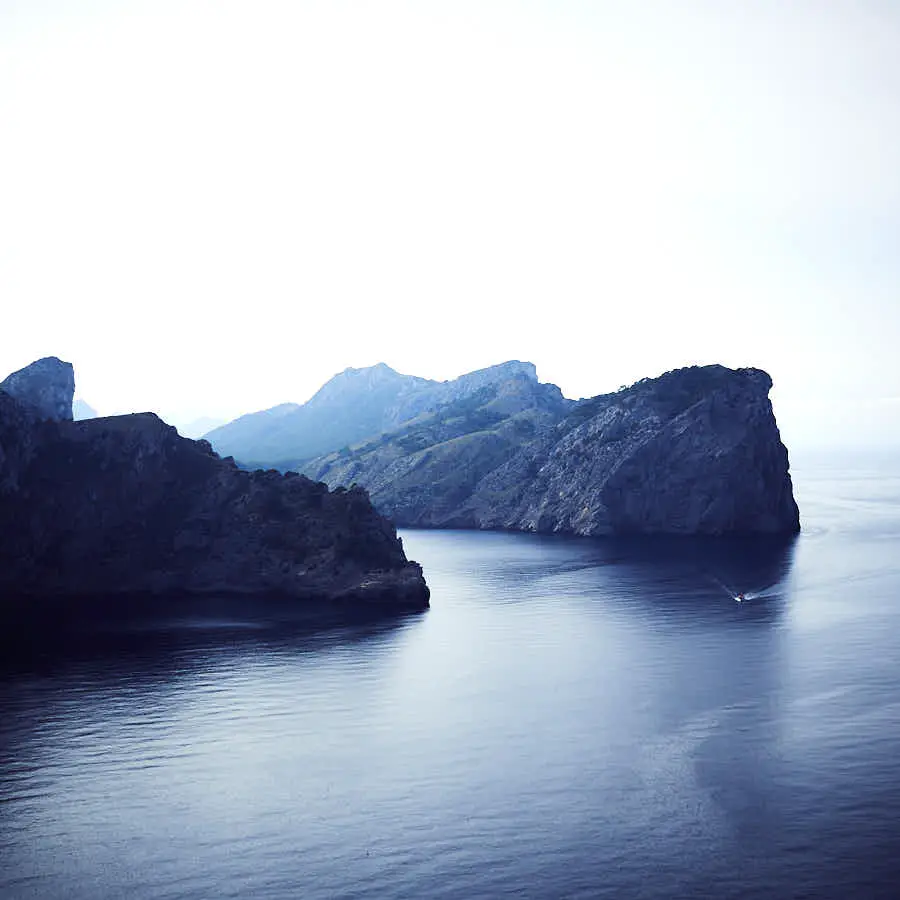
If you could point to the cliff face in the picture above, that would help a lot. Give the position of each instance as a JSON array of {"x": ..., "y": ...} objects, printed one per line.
[
  {"x": 696, "y": 451},
  {"x": 46, "y": 386},
  {"x": 125, "y": 505}
]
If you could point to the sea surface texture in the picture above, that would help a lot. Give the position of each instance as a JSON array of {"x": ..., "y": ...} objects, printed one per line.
[{"x": 573, "y": 717}]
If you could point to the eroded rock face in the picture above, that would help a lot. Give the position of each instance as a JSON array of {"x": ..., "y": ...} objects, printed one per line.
[
  {"x": 47, "y": 386},
  {"x": 695, "y": 451},
  {"x": 125, "y": 505}
]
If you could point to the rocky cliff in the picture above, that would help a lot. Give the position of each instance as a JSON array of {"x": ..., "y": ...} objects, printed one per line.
[
  {"x": 46, "y": 386},
  {"x": 695, "y": 451},
  {"x": 124, "y": 505}
]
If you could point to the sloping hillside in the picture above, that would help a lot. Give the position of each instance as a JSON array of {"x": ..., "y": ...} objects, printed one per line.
[{"x": 352, "y": 407}]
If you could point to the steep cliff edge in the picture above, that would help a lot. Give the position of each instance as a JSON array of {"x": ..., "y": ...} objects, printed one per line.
[
  {"x": 695, "y": 451},
  {"x": 124, "y": 505}
]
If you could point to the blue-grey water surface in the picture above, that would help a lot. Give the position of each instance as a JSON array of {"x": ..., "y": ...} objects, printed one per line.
[{"x": 572, "y": 718}]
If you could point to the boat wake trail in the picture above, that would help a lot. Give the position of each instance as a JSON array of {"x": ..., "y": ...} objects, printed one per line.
[{"x": 739, "y": 595}]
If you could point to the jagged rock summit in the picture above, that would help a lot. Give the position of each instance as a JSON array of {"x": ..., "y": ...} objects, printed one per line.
[
  {"x": 124, "y": 505},
  {"x": 694, "y": 451},
  {"x": 47, "y": 386}
]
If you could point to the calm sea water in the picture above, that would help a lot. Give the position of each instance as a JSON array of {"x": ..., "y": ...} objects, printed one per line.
[{"x": 572, "y": 718}]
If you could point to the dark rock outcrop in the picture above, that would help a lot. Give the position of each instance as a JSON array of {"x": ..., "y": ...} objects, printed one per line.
[
  {"x": 124, "y": 505},
  {"x": 47, "y": 386},
  {"x": 695, "y": 451}
]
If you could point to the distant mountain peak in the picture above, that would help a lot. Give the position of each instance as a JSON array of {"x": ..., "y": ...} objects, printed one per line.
[
  {"x": 353, "y": 381},
  {"x": 353, "y": 371},
  {"x": 512, "y": 368},
  {"x": 361, "y": 403}
]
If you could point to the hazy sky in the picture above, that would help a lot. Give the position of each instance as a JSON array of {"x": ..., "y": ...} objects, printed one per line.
[{"x": 212, "y": 207}]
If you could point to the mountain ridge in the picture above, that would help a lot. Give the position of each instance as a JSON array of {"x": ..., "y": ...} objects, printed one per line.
[
  {"x": 352, "y": 406},
  {"x": 695, "y": 450}
]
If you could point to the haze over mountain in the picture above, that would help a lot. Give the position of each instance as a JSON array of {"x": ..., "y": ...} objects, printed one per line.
[
  {"x": 82, "y": 410},
  {"x": 352, "y": 406},
  {"x": 196, "y": 428}
]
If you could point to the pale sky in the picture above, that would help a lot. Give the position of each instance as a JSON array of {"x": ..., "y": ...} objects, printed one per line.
[{"x": 212, "y": 207}]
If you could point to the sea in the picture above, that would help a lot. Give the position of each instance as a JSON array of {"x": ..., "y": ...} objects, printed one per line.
[{"x": 572, "y": 718}]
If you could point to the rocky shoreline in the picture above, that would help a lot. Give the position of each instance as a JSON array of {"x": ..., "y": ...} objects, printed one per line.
[{"x": 124, "y": 506}]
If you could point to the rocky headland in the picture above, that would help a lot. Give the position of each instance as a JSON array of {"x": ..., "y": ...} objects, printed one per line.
[
  {"x": 694, "y": 451},
  {"x": 124, "y": 505}
]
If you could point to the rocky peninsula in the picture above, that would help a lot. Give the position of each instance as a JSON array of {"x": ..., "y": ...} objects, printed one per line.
[
  {"x": 125, "y": 506},
  {"x": 694, "y": 451}
]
